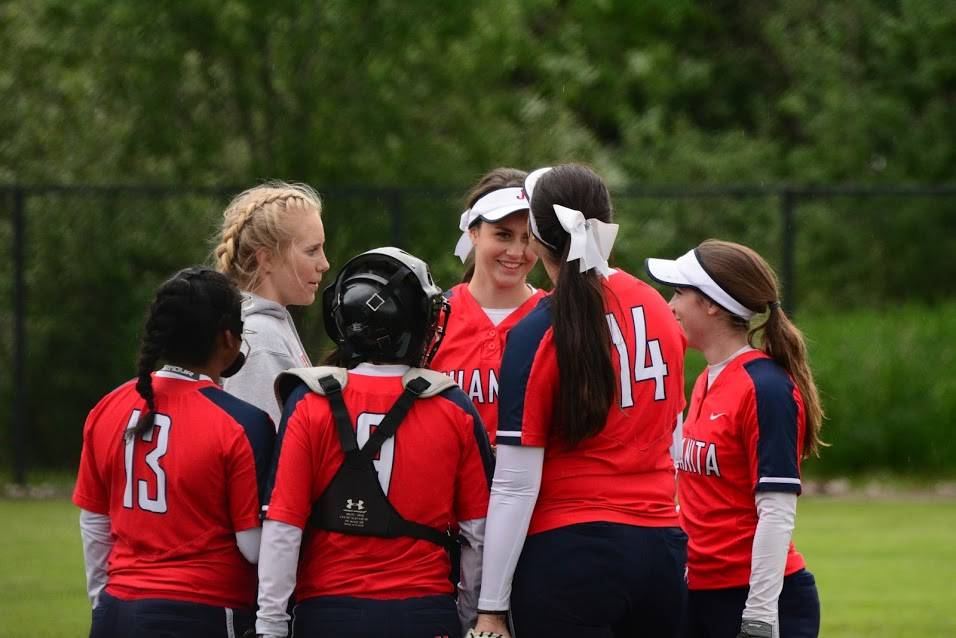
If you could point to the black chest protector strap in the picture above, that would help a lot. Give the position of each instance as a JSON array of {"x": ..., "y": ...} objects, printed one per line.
[{"x": 354, "y": 502}]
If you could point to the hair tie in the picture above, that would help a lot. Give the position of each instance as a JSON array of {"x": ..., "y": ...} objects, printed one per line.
[{"x": 773, "y": 305}]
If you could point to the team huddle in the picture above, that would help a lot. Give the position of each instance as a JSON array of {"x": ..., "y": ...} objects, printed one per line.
[{"x": 492, "y": 460}]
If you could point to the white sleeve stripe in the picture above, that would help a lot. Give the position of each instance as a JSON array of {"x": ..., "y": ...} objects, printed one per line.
[
  {"x": 779, "y": 479},
  {"x": 230, "y": 625},
  {"x": 507, "y": 433}
]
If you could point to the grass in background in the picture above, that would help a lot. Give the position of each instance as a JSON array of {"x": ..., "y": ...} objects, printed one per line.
[
  {"x": 42, "y": 579},
  {"x": 885, "y": 569}
]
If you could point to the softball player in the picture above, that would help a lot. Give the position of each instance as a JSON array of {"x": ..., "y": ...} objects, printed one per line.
[
  {"x": 494, "y": 294},
  {"x": 754, "y": 415},
  {"x": 377, "y": 461},
  {"x": 170, "y": 476},
  {"x": 591, "y": 388},
  {"x": 272, "y": 245}
]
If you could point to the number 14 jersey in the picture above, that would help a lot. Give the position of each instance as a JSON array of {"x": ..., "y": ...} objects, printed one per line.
[{"x": 624, "y": 474}]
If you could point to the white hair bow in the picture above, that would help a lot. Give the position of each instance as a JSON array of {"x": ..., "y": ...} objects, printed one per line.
[
  {"x": 591, "y": 239},
  {"x": 463, "y": 247}
]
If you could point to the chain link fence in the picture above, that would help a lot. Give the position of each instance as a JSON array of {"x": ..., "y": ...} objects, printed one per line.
[{"x": 82, "y": 264}]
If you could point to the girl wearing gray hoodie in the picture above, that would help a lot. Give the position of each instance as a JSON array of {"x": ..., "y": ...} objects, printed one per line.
[{"x": 272, "y": 245}]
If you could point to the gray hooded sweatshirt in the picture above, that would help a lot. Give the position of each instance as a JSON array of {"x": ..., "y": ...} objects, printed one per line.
[{"x": 272, "y": 346}]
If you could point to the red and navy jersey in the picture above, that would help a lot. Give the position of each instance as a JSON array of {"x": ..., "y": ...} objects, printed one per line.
[
  {"x": 435, "y": 471},
  {"x": 472, "y": 349},
  {"x": 177, "y": 495},
  {"x": 624, "y": 474},
  {"x": 741, "y": 436}
]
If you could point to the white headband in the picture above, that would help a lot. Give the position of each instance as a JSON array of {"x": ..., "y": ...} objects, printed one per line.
[
  {"x": 687, "y": 270},
  {"x": 591, "y": 239},
  {"x": 492, "y": 207},
  {"x": 529, "y": 184}
]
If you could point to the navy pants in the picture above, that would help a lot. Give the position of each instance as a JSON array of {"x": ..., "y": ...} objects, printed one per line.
[
  {"x": 715, "y": 613},
  {"x": 161, "y": 618},
  {"x": 347, "y": 617},
  {"x": 602, "y": 580}
]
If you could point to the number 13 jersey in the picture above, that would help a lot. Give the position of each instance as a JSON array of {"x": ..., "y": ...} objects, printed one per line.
[{"x": 177, "y": 496}]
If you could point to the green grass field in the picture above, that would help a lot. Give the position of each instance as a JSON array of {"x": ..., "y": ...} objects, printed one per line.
[{"x": 885, "y": 569}]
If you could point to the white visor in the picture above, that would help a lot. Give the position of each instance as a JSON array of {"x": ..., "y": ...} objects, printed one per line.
[
  {"x": 529, "y": 183},
  {"x": 493, "y": 207},
  {"x": 687, "y": 271}
]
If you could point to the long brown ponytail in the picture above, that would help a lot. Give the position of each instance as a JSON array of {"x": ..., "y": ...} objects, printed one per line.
[
  {"x": 581, "y": 334},
  {"x": 749, "y": 279}
]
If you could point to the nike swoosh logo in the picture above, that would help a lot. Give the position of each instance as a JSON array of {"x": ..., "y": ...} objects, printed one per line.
[{"x": 716, "y": 416}]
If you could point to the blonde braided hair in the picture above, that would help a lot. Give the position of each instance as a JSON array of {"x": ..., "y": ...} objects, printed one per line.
[{"x": 258, "y": 218}]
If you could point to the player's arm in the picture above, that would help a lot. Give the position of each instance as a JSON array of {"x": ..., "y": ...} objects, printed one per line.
[
  {"x": 776, "y": 514},
  {"x": 771, "y": 436},
  {"x": 514, "y": 492},
  {"x": 471, "y": 503},
  {"x": 248, "y": 541},
  {"x": 250, "y": 455},
  {"x": 472, "y": 550},
  {"x": 97, "y": 545},
  {"x": 289, "y": 507},
  {"x": 278, "y": 561},
  {"x": 91, "y": 495}
]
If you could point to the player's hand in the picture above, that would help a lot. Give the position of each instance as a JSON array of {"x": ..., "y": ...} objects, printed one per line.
[
  {"x": 755, "y": 629},
  {"x": 490, "y": 626}
]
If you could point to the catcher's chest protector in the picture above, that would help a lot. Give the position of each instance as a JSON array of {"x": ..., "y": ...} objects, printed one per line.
[{"x": 354, "y": 502}]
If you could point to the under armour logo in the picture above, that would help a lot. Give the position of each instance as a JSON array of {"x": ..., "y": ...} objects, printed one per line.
[{"x": 354, "y": 505}]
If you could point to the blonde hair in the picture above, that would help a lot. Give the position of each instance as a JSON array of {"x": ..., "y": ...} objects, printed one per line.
[
  {"x": 258, "y": 218},
  {"x": 749, "y": 279}
]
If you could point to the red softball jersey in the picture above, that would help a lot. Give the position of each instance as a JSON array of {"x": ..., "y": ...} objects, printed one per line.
[
  {"x": 177, "y": 495},
  {"x": 741, "y": 436},
  {"x": 472, "y": 349},
  {"x": 624, "y": 474},
  {"x": 435, "y": 471}
]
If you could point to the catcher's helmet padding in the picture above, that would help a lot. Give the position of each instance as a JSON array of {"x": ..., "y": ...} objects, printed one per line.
[{"x": 383, "y": 307}]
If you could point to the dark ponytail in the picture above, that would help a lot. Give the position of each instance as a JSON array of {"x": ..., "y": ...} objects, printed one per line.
[
  {"x": 493, "y": 180},
  {"x": 189, "y": 312},
  {"x": 582, "y": 338}
]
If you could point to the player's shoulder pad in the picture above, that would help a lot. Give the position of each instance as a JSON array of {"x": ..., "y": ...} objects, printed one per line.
[
  {"x": 287, "y": 381},
  {"x": 439, "y": 381}
]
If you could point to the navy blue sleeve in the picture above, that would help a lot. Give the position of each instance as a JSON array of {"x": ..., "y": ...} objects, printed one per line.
[
  {"x": 258, "y": 428},
  {"x": 288, "y": 410},
  {"x": 457, "y": 396},
  {"x": 520, "y": 350},
  {"x": 777, "y": 414}
]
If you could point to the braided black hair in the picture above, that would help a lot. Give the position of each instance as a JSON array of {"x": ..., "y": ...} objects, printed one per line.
[{"x": 189, "y": 311}]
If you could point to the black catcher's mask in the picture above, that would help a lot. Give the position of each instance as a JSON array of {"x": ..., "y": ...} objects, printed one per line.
[{"x": 384, "y": 307}]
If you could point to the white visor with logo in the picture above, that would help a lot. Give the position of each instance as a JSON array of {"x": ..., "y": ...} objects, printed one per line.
[{"x": 493, "y": 207}]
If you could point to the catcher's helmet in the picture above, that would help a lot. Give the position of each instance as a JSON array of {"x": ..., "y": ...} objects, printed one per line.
[{"x": 384, "y": 307}]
